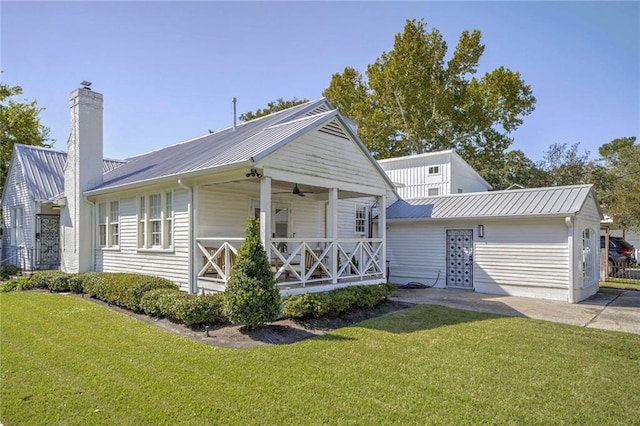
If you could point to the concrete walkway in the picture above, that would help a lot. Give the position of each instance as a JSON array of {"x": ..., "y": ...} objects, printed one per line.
[{"x": 604, "y": 311}]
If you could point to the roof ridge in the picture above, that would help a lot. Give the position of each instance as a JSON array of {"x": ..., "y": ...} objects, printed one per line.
[{"x": 303, "y": 118}]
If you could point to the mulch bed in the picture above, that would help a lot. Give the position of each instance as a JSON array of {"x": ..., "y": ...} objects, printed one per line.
[{"x": 280, "y": 332}]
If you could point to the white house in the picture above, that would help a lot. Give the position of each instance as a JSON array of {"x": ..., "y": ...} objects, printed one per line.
[
  {"x": 540, "y": 242},
  {"x": 180, "y": 212},
  {"x": 31, "y": 220},
  {"x": 433, "y": 174}
]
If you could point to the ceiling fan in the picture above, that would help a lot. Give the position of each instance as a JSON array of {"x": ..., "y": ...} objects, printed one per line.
[{"x": 296, "y": 191}]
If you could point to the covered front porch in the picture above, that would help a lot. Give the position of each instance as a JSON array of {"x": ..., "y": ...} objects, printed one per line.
[{"x": 318, "y": 234}]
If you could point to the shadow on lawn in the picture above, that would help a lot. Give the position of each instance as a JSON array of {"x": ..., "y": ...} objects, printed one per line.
[{"x": 426, "y": 317}]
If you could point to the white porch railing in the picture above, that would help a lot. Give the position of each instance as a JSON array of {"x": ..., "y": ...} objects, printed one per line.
[{"x": 300, "y": 261}]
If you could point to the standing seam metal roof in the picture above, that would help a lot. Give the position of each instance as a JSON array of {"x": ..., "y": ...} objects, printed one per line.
[
  {"x": 43, "y": 170},
  {"x": 225, "y": 147},
  {"x": 561, "y": 200}
]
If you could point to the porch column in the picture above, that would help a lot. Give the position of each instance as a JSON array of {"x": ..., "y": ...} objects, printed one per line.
[
  {"x": 332, "y": 232},
  {"x": 382, "y": 232},
  {"x": 265, "y": 214}
]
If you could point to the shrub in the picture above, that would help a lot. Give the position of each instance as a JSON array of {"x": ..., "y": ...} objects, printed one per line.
[
  {"x": 336, "y": 302},
  {"x": 123, "y": 289},
  {"x": 14, "y": 284},
  {"x": 207, "y": 309},
  {"x": 8, "y": 271},
  {"x": 188, "y": 308},
  {"x": 52, "y": 280},
  {"x": 251, "y": 296}
]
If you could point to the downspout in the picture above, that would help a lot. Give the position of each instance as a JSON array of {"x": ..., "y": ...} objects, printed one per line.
[
  {"x": 192, "y": 284},
  {"x": 93, "y": 231},
  {"x": 570, "y": 244}
]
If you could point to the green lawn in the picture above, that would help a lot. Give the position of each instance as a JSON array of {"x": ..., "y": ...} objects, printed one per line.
[{"x": 64, "y": 360}]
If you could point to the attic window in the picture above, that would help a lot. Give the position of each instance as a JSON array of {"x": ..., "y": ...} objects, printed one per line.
[
  {"x": 434, "y": 170},
  {"x": 335, "y": 129}
]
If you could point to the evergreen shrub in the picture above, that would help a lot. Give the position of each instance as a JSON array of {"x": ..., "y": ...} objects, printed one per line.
[{"x": 251, "y": 297}]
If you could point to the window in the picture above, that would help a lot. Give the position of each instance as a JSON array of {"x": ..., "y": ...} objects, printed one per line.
[
  {"x": 109, "y": 224},
  {"x": 155, "y": 221},
  {"x": 102, "y": 224},
  {"x": 361, "y": 219},
  {"x": 434, "y": 170},
  {"x": 17, "y": 229},
  {"x": 114, "y": 221},
  {"x": 433, "y": 192},
  {"x": 588, "y": 256}
]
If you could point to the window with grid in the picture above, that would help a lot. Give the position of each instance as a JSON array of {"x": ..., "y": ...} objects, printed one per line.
[
  {"x": 102, "y": 224},
  {"x": 114, "y": 223},
  {"x": 155, "y": 221},
  {"x": 361, "y": 219},
  {"x": 434, "y": 170},
  {"x": 17, "y": 226}
]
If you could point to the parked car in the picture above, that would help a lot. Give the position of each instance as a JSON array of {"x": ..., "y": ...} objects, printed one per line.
[{"x": 621, "y": 254}]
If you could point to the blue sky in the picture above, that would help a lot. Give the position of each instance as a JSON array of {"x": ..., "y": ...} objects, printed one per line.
[{"x": 168, "y": 70}]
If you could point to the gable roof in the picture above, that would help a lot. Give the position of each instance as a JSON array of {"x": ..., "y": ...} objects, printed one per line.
[
  {"x": 43, "y": 170},
  {"x": 416, "y": 160},
  {"x": 229, "y": 148},
  {"x": 552, "y": 201}
]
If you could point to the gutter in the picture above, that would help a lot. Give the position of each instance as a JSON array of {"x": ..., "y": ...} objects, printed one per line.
[{"x": 190, "y": 276}]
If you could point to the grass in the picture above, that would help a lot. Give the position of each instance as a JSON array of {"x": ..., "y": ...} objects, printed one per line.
[
  {"x": 64, "y": 360},
  {"x": 620, "y": 283}
]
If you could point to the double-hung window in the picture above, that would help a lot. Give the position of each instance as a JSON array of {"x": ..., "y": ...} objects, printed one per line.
[
  {"x": 109, "y": 224},
  {"x": 17, "y": 230},
  {"x": 361, "y": 219},
  {"x": 155, "y": 221}
]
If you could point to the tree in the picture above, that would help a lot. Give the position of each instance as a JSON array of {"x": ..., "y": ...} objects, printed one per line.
[
  {"x": 251, "y": 296},
  {"x": 273, "y": 106},
  {"x": 19, "y": 123},
  {"x": 415, "y": 101},
  {"x": 516, "y": 169},
  {"x": 617, "y": 180},
  {"x": 564, "y": 165}
]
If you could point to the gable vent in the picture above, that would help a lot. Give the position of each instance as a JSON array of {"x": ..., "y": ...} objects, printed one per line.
[
  {"x": 317, "y": 110},
  {"x": 334, "y": 128}
]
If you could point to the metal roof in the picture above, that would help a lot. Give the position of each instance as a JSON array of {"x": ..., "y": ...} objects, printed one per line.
[
  {"x": 252, "y": 139},
  {"x": 43, "y": 170},
  {"x": 562, "y": 200}
]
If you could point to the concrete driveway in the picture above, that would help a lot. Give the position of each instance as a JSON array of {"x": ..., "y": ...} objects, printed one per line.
[{"x": 604, "y": 311}]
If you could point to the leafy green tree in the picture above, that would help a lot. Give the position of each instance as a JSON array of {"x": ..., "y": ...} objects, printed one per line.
[
  {"x": 19, "y": 123},
  {"x": 565, "y": 165},
  {"x": 251, "y": 296},
  {"x": 415, "y": 100},
  {"x": 273, "y": 106},
  {"x": 617, "y": 181},
  {"x": 516, "y": 169}
]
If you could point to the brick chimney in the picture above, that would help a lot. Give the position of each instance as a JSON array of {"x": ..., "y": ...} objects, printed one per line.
[{"x": 83, "y": 171}]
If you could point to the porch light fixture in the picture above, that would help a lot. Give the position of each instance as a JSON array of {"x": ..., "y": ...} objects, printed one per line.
[
  {"x": 253, "y": 173},
  {"x": 481, "y": 231}
]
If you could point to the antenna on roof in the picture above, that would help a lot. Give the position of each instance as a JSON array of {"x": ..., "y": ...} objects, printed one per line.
[
  {"x": 85, "y": 84},
  {"x": 234, "y": 100}
]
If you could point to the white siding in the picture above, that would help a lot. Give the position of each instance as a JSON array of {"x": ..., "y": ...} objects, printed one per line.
[
  {"x": 318, "y": 154},
  {"x": 526, "y": 257},
  {"x": 16, "y": 194},
  {"x": 171, "y": 264},
  {"x": 465, "y": 178},
  {"x": 223, "y": 210}
]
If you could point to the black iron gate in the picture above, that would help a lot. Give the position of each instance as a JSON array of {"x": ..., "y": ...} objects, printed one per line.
[{"x": 47, "y": 241}]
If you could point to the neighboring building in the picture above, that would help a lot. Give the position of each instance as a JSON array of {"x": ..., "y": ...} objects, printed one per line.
[
  {"x": 180, "y": 212},
  {"x": 31, "y": 219},
  {"x": 540, "y": 242},
  {"x": 433, "y": 174}
]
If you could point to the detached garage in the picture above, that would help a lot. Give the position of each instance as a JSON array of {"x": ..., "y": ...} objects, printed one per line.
[{"x": 539, "y": 242}]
